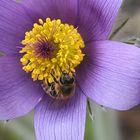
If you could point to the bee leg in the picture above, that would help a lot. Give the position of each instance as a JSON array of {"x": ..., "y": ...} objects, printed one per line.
[
  {"x": 54, "y": 78},
  {"x": 53, "y": 94},
  {"x": 48, "y": 83}
]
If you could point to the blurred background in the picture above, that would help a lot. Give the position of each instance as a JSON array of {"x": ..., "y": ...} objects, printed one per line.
[{"x": 103, "y": 124}]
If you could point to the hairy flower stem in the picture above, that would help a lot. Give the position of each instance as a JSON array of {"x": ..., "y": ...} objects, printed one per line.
[{"x": 118, "y": 29}]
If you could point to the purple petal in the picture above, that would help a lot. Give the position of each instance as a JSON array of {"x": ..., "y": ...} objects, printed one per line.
[
  {"x": 18, "y": 93},
  {"x": 66, "y": 10},
  {"x": 93, "y": 18},
  {"x": 61, "y": 120},
  {"x": 14, "y": 22},
  {"x": 110, "y": 74},
  {"x": 96, "y": 18}
]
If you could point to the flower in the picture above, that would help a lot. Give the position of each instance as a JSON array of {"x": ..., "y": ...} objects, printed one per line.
[{"x": 108, "y": 73}]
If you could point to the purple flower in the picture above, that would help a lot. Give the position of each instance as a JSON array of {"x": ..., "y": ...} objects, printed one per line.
[{"x": 109, "y": 73}]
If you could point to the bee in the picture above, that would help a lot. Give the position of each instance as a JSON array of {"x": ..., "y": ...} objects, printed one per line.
[{"x": 61, "y": 89}]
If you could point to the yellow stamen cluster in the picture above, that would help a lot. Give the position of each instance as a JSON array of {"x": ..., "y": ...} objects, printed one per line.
[{"x": 66, "y": 43}]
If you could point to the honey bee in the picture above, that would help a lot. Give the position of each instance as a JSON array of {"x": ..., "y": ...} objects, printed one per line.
[{"x": 61, "y": 89}]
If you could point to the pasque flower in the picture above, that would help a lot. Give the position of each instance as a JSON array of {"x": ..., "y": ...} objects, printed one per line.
[{"x": 40, "y": 40}]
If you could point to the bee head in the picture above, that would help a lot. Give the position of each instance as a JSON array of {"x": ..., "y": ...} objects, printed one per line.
[{"x": 66, "y": 79}]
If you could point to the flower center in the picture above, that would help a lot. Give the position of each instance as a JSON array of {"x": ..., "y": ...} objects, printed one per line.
[
  {"x": 50, "y": 48},
  {"x": 44, "y": 49}
]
